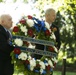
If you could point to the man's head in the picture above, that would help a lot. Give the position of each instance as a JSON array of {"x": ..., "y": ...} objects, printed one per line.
[
  {"x": 50, "y": 15},
  {"x": 6, "y": 21}
]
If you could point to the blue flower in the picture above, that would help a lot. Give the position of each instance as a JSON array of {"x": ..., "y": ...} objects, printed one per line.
[
  {"x": 16, "y": 55},
  {"x": 28, "y": 66},
  {"x": 36, "y": 71},
  {"x": 51, "y": 69},
  {"x": 39, "y": 25},
  {"x": 45, "y": 61},
  {"x": 44, "y": 72}
]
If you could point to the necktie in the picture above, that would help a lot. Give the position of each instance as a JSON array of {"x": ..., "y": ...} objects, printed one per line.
[{"x": 10, "y": 37}]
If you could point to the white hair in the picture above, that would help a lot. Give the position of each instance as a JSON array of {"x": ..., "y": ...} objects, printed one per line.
[
  {"x": 4, "y": 17},
  {"x": 49, "y": 10}
]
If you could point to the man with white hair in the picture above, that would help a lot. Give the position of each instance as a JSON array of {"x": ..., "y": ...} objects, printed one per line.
[
  {"x": 50, "y": 16},
  {"x": 6, "y": 68}
]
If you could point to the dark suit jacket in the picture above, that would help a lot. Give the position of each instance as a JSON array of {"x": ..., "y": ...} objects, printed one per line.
[
  {"x": 6, "y": 68},
  {"x": 5, "y": 47},
  {"x": 57, "y": 35}
]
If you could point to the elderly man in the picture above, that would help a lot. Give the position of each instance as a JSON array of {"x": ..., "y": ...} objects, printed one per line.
[
  {"x": 6, "y": 68},
  {"x": 50, "y": 16}
]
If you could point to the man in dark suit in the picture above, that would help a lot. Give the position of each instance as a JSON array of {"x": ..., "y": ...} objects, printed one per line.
[
  {"x": 50, "y": 16},
  {"x": 6, "y": 68}
]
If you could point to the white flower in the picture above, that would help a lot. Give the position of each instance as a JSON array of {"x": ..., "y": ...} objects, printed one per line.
[
  {"x": 19, "y": 24},
  {"x": 32, "y": 64},
  {"x": 42, "y": 65},
  {"x": 50, "y": 63},
  {"x": 31, "y": 46},
  {"x": 18, "y": 42},
  {"x": 38, "y": 60},
  {"x": 55, "y": 60},
  {"x": 23, "y": 29},
  {"x": 29, "y": 57},
  {"x": 31, "y": 68},
  {"x": 35, "y": 21},
  {"x": 46, "y": 59},
  {"x": 50, "y": 30},
  {"x": 55, "y": 49},
  {"x": 22, "y": 56},
  {"x": 30, "y": 22},
  {"x": 47, "y": 25},
  {"x": 25, "y": 33},
  {"x": 53, "y": 36},
  {"x": 46, "y": 64},
  {"x": 41, "y": 71}
]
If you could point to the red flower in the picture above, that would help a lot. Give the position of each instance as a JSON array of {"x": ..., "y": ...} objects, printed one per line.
[
  {"x": 23, "y": 21},
  {"x": 48, "y": 67},
  {"x": 29, "y": 17},
  {"x": 30, "y": 32},
  {"x": 17, "y": 51},
  {"x": 27, "y": 62},
  {"x": 16, "y": 29},
  {"x": 37, "y": 65},
  {"x": 50, "y": 48},
  {"x": 47, "y": 33},
  {"x": 25, "y": 43},
  {"x": 54, "y": 64}
]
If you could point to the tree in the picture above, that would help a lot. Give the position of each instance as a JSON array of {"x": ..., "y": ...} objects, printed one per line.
[{"x": 66, "y": 20}]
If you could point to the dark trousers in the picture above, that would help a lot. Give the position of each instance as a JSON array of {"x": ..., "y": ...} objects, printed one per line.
[{"x": 6, "y": 68}]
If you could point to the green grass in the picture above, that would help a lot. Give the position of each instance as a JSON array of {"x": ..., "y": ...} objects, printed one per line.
[
  {"x": 67, "y": 73},
  {"x": 57, "y": 73}
]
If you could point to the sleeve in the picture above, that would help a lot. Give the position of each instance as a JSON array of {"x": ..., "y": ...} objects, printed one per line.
[{"x": 57, "y": 34}]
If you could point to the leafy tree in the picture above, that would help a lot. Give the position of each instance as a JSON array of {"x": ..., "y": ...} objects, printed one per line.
[
  {"x": 69, "y": 43},
  {"x": 66, "y": 20}
]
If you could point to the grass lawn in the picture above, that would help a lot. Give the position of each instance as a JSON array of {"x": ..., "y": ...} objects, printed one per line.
[
  {"x": 67, "y": 73},
  {"x": 57, "y": 73}
]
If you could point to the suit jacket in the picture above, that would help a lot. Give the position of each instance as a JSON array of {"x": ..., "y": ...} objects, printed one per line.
[
  {"x": 57, "y": 35},
  {"x": 5, "y": 47}
]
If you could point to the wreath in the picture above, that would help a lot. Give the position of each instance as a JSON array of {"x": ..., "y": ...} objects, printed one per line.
[{"x": 32, "y": 27}]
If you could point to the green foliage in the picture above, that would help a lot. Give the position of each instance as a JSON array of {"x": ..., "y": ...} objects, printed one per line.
[
  {"x": 67, "y": 73},
  {"x": 66, "y": 21},
  {"x": 1, "y": 0},
  {"x": 69, "y": 29}
]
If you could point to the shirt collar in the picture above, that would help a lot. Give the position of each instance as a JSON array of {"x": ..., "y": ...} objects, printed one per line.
[{"x": 50, "y": 24}]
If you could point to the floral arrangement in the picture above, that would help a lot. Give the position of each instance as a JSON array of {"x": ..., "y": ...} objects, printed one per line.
[{"x": 32, "y": 27}]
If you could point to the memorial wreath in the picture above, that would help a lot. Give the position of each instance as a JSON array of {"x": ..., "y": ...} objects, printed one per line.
[{"x": 28, "y": 31}]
